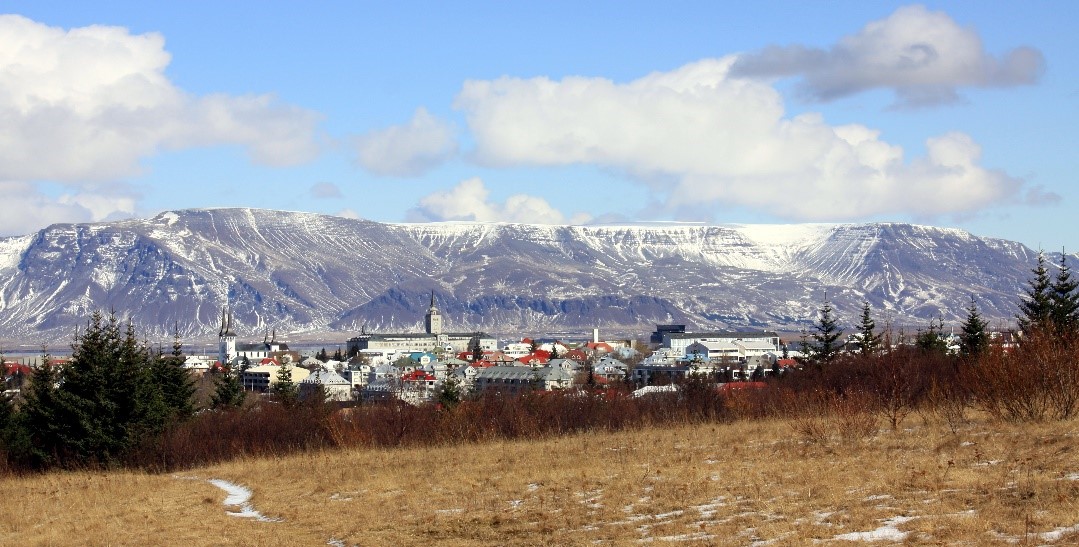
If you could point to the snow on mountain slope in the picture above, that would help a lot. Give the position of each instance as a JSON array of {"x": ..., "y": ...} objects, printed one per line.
[{"x": 307, "y": 272}]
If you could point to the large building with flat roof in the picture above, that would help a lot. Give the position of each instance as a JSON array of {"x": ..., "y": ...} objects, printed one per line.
[{"x": 433, "y": 340}]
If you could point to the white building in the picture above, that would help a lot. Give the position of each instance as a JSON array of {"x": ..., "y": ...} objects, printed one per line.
[{"x": 333, "y": 385}]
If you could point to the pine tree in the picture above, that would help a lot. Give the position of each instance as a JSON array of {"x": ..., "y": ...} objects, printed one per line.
[
  {"x": 41, "y": 419},
  {"x": 102, "y": 403},
  {"x": 869, "y": 343},
  {"x": 283, "y": 389},
  {"x": 931, "y": 339},
  {"x": 1064, "y": 301},
  {"x": 1035, "y": 308},
  {"x": 975, "y": 338},
  {"x": 228, "y": 391},
  {"x": 449, "y": 392},
  {"x": 477, "y": 351},
  {"x": 825, "y": 345}
]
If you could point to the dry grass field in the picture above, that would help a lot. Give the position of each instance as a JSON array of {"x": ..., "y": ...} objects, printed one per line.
[{"x": 770, "y": 482}]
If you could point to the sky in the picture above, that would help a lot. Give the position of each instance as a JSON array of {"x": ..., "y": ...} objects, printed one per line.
[{"x": 957, "y": 114}]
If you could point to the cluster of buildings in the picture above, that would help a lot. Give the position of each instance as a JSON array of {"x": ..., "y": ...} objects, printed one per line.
[{"x": 413, "y": 366}]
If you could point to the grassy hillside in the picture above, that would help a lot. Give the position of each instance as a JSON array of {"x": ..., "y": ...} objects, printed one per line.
[{"x": 778, "y": 482}]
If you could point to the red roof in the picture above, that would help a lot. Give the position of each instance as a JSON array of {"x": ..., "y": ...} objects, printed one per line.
[
  {"x": 576, "y": 355},
  {"x": 600, "y": 346},
  {"x": 269, "y": 361},
  {"x": 535, "y": 357},
  {"x": 418, "y": 376},
  {"x": 731, "y": 386},
  {"x": 11, "y": 367}
]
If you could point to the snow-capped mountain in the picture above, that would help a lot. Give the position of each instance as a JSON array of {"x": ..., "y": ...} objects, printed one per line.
[{"x": 302, "y": 272}]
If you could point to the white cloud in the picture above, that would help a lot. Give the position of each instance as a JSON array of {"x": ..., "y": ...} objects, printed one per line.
[
  {"x": 325, "y": 190},
  {"x": 469, "y": 201},
  {"x": 412, "y": 149},
  {"x": 27, "y": 210},
  {"x": 923, "y": 56},
  {"x": 86, "y": 104},
  {"x": 348, "y": 213},
  {"x": 698, "y": 137}
]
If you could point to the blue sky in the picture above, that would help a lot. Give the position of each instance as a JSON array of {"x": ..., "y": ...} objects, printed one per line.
[{"x": 952, "y": 114}]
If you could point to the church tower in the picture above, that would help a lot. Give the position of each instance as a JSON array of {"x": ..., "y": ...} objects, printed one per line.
[
  {"x": 226, "y": 338},
  {"x": 433, "y": 319}
]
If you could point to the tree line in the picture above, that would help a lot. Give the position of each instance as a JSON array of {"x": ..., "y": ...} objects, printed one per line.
[{"x": 1049, "y": 306}]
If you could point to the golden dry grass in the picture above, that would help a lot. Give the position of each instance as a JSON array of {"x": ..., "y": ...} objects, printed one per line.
[{"x": 721, "y": 484}]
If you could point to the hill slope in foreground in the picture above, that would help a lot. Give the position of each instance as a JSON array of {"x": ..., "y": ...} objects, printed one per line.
[{"x": 745, "y": 483}]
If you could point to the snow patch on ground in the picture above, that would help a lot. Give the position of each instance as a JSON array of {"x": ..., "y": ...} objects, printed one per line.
[
  {"x": 1059, "y": 533},
  {"x": 888, "y": 532},
  {"x": 239, "y": 496}
]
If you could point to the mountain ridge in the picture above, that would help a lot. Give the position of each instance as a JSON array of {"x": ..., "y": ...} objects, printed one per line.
[{"x": 306, "y": 272}]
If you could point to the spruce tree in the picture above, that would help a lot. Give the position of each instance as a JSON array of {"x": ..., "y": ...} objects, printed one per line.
[
  {"x": 930, "y": 339},
  {"x": 477, "y": 350},
  {"x": 177, "y": 387},
  {"x": 1064, "y": 301},
  {"x": 1035, "y": 308},
  {"x": 869, "y": 343},
  {"x": 974, "y": 339},
  {"x": 449, "y": 392},
  {"x": 284, "y": 390},
  {"x": 826, "y": 344},
  {"x": 228, "y": 391},
  {"x": 42, "y": 419}
]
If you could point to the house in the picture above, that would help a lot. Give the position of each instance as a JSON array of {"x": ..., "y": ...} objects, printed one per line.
[
  {"x": 678, "y": 341},
  {"x": 260, "y": 378},
  {"x": 712, "y": 352},
  {"x": 521, "y": 379},
  {"x": 334, "y": 387},
  {"x": 609, "y": 370}
]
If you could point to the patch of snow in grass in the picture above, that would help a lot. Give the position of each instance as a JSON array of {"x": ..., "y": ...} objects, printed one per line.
[
  {"x": 1058, "y": 534},
  {"x": 453, "y": 511},
  {"x": 532, "y": 487},
  {"x": 888, "y": 532},
  {"x": 1073, "y": 477},
  {"x": 878, "y": 497},
  {"x": 239, "y": 496},
  {"x": 516, "y": 503},
  {"x": 698, "y": 536}
]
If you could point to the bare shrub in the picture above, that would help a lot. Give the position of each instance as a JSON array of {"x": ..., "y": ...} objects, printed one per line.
[{"x": 1036, "y": 381}]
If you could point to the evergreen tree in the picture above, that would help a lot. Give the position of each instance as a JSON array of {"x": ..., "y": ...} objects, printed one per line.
[
  {"x": 477, "y": 351},
  {"x": 337, "y": 356},
  {"x": 228, "y": 391},
  {"x": 103, "y": 403},
  {"x": 931, "y": 339},
  {"x": 283, "y": 389},
  {"x": 1064, "y": 301},
  {"x": 176, "y": 384},
  {"x": 449, "y": 392},
  {"x": 554, "y": 351},
  {"x": 40, "y": 420},
  {"x": 974, "y": 339},
  {"x": 321, "y": 355},
  {"x": 825, "y": 346},
  {"x": 1035, "y": 308},
  {"x": 869, "y": 342},
  {"x": 7, "y": 408}
]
